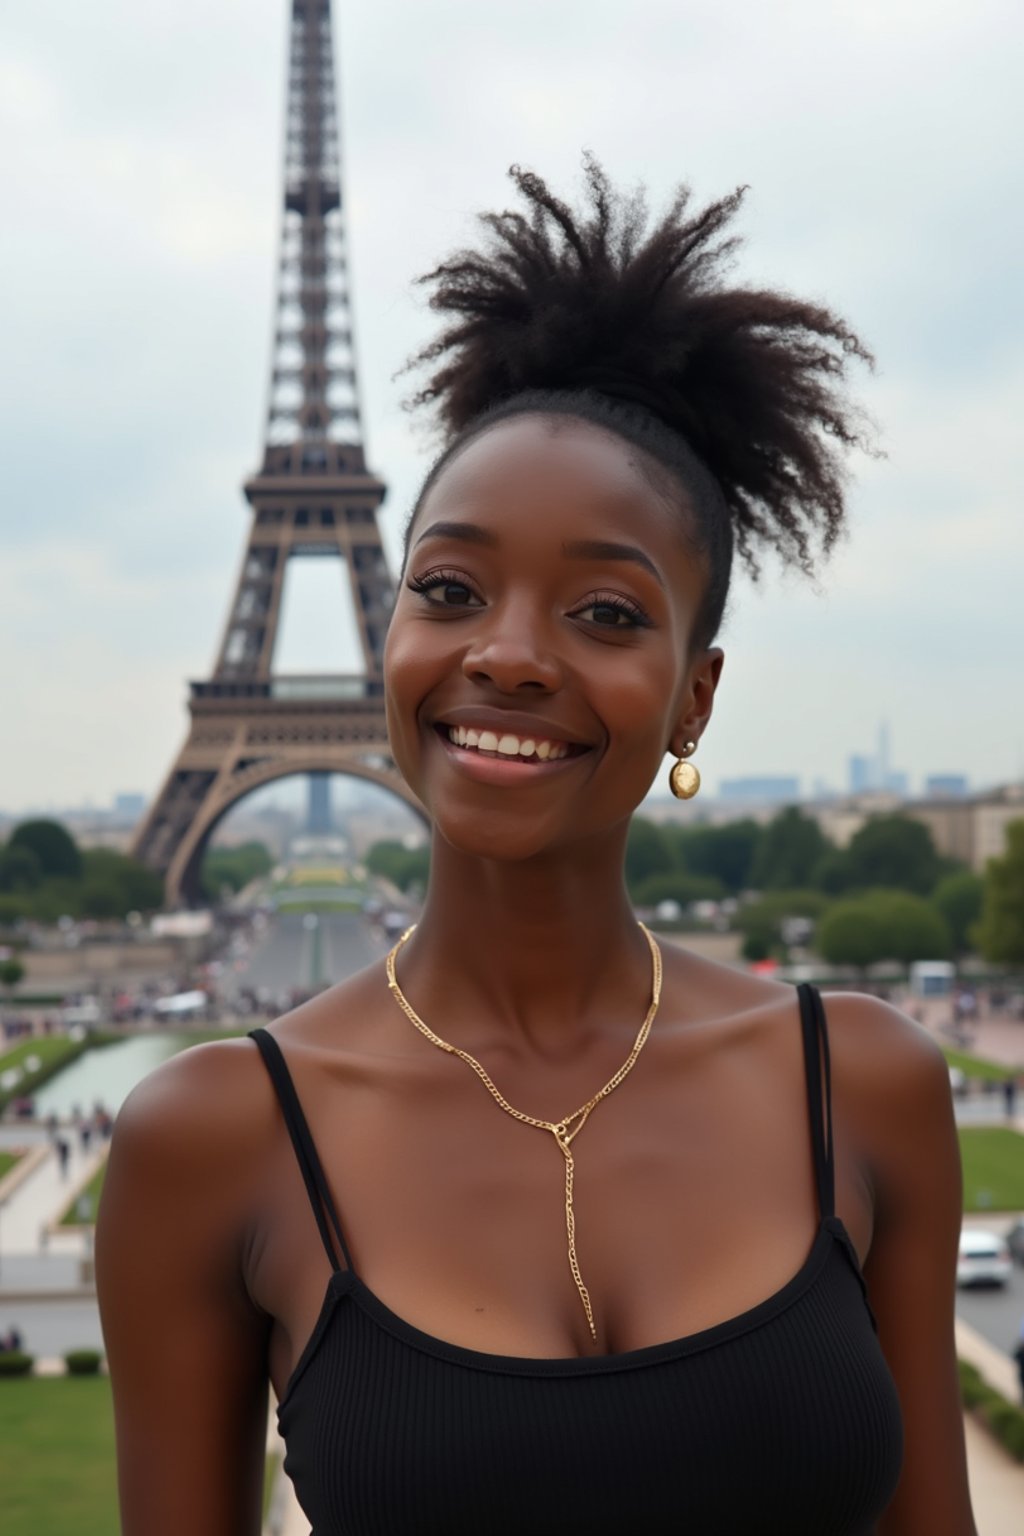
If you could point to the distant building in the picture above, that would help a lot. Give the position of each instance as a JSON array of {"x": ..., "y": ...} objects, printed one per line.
[
  {"x": 971, "y": 827},
  {"x": 129, "y": 806},
  {"x": 967, "y": 827},
  {"x": 840, "y": 818},
  {"x": 862, "y": 774},
  {"x": 896, "y": 782},
  {"x": 774, "y": 789},
  {"x": 946, "y": 786}
]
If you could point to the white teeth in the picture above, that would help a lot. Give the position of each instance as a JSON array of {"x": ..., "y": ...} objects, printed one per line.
[{"x": 506, "y": 745}]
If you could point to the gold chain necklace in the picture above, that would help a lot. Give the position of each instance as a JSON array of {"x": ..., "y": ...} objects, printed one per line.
[{"x": 564, "y": 1131}]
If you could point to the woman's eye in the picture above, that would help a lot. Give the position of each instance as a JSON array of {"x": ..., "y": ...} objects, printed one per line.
[
  {"x": 452, "y": 593},
  {"x": 444, "y": 591},
  {"x": 610, "y": 615}
]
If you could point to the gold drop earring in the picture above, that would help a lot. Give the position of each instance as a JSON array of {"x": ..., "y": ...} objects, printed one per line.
[{"x": 684, "y": 780}]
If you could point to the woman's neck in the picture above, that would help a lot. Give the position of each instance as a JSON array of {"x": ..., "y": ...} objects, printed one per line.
[{"x": 548, "y": 950}]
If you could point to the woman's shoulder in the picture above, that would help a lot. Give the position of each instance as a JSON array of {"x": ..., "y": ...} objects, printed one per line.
[
  {"x": 203, "y": 1115},
  {"x": 881, "y": 1060},
  {"x": 877, "y": 1045}
]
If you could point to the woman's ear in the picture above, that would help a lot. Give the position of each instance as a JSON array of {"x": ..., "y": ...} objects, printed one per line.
[{"x": 698, "y": 699}]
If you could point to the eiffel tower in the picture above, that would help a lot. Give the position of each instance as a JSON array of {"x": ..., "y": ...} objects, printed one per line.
[{"x": 313, "y": 496}]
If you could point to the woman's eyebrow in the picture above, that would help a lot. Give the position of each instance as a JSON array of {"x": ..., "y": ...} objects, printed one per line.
[
  {"x": 470, "y": 533},
  {"x": 602, "y": 549}
]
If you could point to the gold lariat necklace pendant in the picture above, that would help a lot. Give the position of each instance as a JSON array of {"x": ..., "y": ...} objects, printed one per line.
[{"x": 564, "y": 1131}]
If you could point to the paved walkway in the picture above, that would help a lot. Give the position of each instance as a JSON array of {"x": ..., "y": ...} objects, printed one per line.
[{"x": 42, "y": 1197}]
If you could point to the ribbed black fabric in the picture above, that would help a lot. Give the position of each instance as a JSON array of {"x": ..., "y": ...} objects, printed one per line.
[{"x": 783, "y": 1421}]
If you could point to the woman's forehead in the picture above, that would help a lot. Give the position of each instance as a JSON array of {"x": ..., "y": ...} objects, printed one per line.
[{"x": 555, "y": 470}]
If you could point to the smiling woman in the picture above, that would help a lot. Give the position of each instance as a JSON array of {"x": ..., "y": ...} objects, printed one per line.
[{"x": 715, "y": 1295}]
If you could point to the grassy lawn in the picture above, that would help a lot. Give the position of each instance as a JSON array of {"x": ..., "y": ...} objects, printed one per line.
[
  {"x": 52, "y": 1051},
  {"x": 60, "y": 1476},
  {"x": 974, "y": 1066},
  {"x": 993, "y": 1162},
  {"x": 91, "y": 1192},
  {"x": 58, "y": 1440},
  {"x": 8, "y": 1160}
]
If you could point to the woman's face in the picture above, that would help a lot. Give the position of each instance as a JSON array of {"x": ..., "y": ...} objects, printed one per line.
[{"x": 537, "y": 666}]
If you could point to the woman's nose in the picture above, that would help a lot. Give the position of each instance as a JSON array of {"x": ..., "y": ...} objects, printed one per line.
[{"x": 511, "y": 653}]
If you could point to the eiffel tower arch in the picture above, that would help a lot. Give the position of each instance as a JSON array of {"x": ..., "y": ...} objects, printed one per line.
[{"x": 312, "y": 497}]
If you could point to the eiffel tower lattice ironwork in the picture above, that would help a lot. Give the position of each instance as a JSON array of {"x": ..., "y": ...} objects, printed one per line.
[{"x": 312, "y": 496}]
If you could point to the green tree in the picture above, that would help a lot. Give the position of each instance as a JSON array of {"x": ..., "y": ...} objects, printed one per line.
[
  {"x": 883, "y": 925},
  {"x": 894, "y": 852},
  {"x": 761, "y": 939},
  {"x": 234, "y": 867},
  {"x": 56, "y": 899},
  {"x": 724, "y": 853},
  {"x": 762, "y": 922},
  {"x": 11, "y": 972},
  {"x": 960, "y": 898},
  {"x": 101, "y": 898},
  {"x": 1001, "y": 929},
  {"x": 404, "y": 867},
  {"x": 52, "y": 845},
  {"x": 851, "y": 934},
  {"x": 833, "y": 874},
  {"x": 788, "y": 851},
  {"x": 20, "y": 869},
  {"x": 138, "y": 888},
  {"x": 13, "y": 908},
  {"x": 676, "y": 885},
  {"x": 648, "y": 853}
]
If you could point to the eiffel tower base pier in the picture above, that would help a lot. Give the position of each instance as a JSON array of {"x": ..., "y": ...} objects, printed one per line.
[{"x": 242, "y": 741}]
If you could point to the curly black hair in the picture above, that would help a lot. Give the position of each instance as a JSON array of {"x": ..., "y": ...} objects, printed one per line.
[{"x": 740, "y": 393}]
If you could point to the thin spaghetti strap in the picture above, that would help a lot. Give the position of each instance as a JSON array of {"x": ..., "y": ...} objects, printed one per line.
[
  {"x": 305, "y": 1151},
  {"x": 814, "y": 1028}
]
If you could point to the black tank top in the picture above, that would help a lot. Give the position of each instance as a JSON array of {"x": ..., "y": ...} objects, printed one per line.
[{"x": 783, "y": 1421}]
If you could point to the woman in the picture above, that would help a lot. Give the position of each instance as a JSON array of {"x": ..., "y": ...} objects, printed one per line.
[{"x": 539, "y": 1227}]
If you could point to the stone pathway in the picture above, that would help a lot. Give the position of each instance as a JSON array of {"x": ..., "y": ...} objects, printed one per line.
[
  {"x": 42, "y": 1197},
  {"x": 997, "y": 1484}
]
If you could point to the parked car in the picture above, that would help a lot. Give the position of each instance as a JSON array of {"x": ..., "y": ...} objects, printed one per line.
[
  {"x": 983, "y": 1259},
  {"x": 1015, "y": 1241}
]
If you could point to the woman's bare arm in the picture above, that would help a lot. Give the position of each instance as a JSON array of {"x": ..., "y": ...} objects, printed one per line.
[
  {"x": 910, "y": 1271},
  {"x": 186, "y": 1346}
]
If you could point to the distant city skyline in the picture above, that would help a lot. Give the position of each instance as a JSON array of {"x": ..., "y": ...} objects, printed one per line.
[
  {"x": 781, "y": 788},
  {"x": 140, "y": 243}
]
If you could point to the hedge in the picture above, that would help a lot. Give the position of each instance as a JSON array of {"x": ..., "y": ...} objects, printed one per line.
[
  {"x": 1004, "y": 1419},
  {"x": 14, "y": 1362},
  {"x": 83, "y": 1362}
]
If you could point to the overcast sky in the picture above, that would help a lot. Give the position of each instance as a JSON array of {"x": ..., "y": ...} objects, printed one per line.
[{"x": 140, "y": 153}]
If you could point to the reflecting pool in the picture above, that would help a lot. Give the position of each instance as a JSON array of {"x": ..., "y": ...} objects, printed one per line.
[{"x": 107, "y": 1073}]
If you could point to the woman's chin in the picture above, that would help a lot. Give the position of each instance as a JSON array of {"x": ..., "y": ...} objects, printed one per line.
[{"x": 506, "y": 839}]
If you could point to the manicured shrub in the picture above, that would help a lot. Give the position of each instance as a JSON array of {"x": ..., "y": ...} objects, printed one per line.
[
  {"x": 1004, "y": 1419},
  {"x": 972, "y": 1385},
  {"x": 1006, "y": 1422},
  {"x": 83, "y": 1362},
  {"x": 14, "y": 1362}
]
